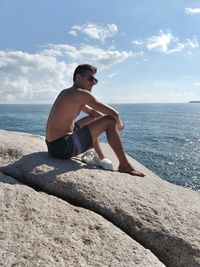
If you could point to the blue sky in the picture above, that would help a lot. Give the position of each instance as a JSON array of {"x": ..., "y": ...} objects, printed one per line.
[{"x": 145, "y": 51}]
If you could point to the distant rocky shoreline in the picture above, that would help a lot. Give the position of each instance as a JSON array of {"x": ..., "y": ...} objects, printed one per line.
[
  {"x": 66, "y": 213},
  {"x": 192, "y": 102}
]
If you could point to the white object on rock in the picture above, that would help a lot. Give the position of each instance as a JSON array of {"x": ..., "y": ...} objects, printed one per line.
[
  {"x": 91, "y": 157},
  {"x": 106, "y": 164}
]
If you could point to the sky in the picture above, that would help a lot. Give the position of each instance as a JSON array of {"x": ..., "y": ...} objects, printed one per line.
[{"x": 146, "y": 51}]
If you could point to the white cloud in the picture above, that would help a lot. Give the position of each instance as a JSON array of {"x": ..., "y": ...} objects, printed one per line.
[
  {"x": 137, "y": 42},
  {"x": 72, "y": 32},
  {"x": 112, "y": 75},
  {"x": 196, "y": 84},
  {"x": 160, "y": 43},
  {"x": 192, "y": 11},
  {"x": 177, "y": 48},
  {"x": 39, "y": 77},
  {"x": 192, "y": 43},
  {"x": 25, "y": 77},
  {"x": 168, "y": 44},
  {"x": 51, "y": 52},
  {"x": 95, "y": 31},
  {"x": 86, "y": 53},
  {"x": 189, "y": 43}
]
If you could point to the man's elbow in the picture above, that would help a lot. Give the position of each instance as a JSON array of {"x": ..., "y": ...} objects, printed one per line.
[{"x": 115, "y": 114}]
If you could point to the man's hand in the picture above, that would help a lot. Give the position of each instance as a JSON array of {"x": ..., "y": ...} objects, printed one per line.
[{"x": 120, "y": 125}]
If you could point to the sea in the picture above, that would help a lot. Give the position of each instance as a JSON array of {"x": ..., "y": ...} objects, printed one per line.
[{"x": 163, "y": 137}]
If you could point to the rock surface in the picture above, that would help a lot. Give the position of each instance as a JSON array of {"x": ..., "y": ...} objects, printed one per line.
[
  {"x": 37, "y": 229},
  {"x": 161, "y": 216}
]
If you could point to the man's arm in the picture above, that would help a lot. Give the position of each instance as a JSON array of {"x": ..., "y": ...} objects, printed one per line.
[
  {"x": 91, "y": 101},
  {"x": 92, "y": 112}
]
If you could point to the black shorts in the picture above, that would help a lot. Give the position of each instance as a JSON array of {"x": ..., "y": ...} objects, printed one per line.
[{"x": 72, "y": 144}]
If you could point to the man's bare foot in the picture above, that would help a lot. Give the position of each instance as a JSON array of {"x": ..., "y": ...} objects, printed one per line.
[{"x": 129, "y": 169}]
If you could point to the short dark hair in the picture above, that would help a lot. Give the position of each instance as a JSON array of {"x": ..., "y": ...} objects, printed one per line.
[{"x": 83, "y": 68}]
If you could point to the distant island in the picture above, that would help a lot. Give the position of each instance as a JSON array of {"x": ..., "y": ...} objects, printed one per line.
[{"x": 194, "y": 102}]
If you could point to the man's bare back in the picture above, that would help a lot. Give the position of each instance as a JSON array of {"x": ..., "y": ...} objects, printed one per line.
[
  {"x": 69, "y": 103},
  {"x": 64, "y": 110}
]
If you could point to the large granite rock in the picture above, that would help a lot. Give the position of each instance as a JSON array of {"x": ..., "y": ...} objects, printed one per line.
[
  {"x": 37, "y": 229},
  {"x": 161, "y": 216}
]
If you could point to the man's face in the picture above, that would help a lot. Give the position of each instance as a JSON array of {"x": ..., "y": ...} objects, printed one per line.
[{"x": 87, "y": 81}]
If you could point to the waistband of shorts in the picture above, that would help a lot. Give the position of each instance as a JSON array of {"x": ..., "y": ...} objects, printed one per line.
[{"x": 56, "y": 140}]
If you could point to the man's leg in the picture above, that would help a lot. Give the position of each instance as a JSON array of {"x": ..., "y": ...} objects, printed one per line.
[
  {"x": 108, "y": 124},
  {"x": 84, "y": 121}
]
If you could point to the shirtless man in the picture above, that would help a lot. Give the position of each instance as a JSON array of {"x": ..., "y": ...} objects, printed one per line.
[{"x": 66, "y": 138}]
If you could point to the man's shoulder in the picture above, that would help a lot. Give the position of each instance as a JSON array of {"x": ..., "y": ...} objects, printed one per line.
[
  {"x": 78, "y": 95},
  {"x": 82, "y": 92},
  {"x": 71, "y": 91}
]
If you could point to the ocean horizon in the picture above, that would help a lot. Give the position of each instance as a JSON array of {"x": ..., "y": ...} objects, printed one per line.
[{"x": 164, "y": 137}]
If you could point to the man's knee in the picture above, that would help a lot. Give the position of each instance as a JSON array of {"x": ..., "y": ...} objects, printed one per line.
[{"x": 111, "y": 121}]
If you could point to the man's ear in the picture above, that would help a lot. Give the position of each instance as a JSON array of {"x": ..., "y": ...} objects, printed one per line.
[{"x": 78, "y": 77}]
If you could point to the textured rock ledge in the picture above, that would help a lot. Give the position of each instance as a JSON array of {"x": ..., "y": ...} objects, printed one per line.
[
  {"x": 37, "y": 229},
  {"x": 161, "y": 216}
]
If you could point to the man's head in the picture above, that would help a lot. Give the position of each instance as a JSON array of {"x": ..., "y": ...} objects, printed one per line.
[{"x": 84, "y": 76}]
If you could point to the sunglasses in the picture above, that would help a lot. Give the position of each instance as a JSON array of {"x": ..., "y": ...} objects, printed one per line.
[{"x": 91, "y": 78}]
